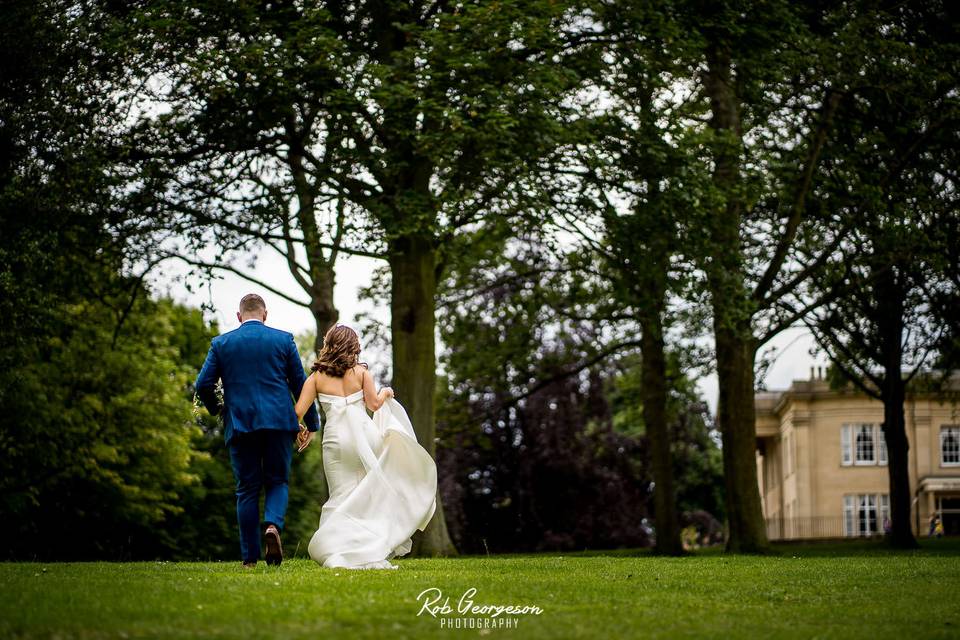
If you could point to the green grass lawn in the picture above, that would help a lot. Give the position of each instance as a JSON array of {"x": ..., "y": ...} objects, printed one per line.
[{"x": 856, "y": 590}]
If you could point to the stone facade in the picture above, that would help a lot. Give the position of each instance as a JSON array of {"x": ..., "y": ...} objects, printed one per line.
[{"x": 821, "y": 461}]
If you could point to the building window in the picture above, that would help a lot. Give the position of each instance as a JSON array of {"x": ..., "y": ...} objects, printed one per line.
[
  {"x": 864, "y": 514},
  {"x": 881, "y": 446},
  {"x": 867, "y": 514},
  {"x": 849, "y": 517},
  {"x": 865, "y": 444},
  {"x": 846, "y": 451},
  {"x": 950, "y": 446},
  {"x": 862, "y": 444}
]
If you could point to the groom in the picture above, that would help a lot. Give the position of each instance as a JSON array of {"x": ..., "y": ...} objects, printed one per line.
[{"x": 262, "y": 376}]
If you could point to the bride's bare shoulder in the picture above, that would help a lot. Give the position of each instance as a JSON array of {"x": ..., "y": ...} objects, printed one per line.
[
  {"x": 323, "y": 382},
  {"x": 358, "y": 371}
]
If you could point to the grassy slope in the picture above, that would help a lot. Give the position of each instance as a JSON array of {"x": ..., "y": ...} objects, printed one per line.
[{"x": 852, "y": 590}]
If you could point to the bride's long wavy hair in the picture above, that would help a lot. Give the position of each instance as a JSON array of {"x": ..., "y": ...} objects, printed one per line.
[{"x": 340, "y": 352}]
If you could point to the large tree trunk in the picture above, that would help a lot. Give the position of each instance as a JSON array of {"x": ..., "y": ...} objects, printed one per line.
[
  {"x": 898, "y": 460},
  {"x": 732, "y": 311},
  {"x": 737, "y": 416},
  {"x": 651, "y": 288},
  {"x": 654, "y": 394},
  {"x": 413, "y": 265},
  {"x": 325, "y": 314},
  {"x": 890, "y": 323}
]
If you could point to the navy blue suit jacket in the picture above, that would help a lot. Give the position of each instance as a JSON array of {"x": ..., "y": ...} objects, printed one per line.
[{"x": 262, "y": 377}]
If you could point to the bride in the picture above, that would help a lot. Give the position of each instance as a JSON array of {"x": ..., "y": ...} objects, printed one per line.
[{"x": 382, "y": 483}]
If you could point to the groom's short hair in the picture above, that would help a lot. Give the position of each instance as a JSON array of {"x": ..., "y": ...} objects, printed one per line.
[{"x": 252, "y": 302}]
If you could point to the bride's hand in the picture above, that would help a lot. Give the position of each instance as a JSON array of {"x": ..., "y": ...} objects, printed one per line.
[
  {"x": 304, "y": 438},
  {"x": 387, "y": 392}
]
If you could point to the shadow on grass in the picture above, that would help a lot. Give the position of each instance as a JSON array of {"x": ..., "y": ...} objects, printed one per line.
[
  {"x": 801, "y": 549},
  {"x": 859, "y": 548}
]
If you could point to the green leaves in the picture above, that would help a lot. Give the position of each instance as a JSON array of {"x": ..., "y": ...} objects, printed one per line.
[{"x": 109, "y": 439}]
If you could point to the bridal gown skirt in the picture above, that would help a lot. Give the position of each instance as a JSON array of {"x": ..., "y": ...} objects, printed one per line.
[{"x": 383, "y": 485}]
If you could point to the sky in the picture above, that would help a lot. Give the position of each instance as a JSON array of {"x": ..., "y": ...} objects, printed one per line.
[{"x": 354, "y": 272}]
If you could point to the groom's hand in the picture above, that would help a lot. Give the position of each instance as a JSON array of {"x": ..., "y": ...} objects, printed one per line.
[{"x": 304, "y": 438}]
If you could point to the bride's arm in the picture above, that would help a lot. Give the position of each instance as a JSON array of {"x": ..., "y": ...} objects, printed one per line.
[
  {"x": 307, "y": 395},
  {"x": 371, "y": 398}
]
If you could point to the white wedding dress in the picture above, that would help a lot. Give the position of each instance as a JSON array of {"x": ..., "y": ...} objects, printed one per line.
[{"x": 383, "y": 485}]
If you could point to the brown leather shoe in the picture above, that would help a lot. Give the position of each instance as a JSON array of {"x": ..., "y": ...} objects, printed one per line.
[{"x": 274, "y": 553}]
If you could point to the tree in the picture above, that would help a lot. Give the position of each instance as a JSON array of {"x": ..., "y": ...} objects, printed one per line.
[
  {"x": 772, "y": 82},
  {"x": 56, "y": 213},
  {"x": 895, "y": 277},
  {"x": 91, "y": 426},
  {"x": 239, "y": 142},
  {"x": 633, "y": 170},
  {"x": 733, "y": 105},
  {"x": 115, "y": 441},
  {"x": 420, "y": 116},
  {"x": 464, "y": 99},
  {"x": 696, "y": 456},
  {"x": 542, "y": 420},
  {"x": 879, "y": 327}
]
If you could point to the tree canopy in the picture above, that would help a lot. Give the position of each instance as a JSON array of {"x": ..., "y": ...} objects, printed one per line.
[{"x": 580, "y": 207}]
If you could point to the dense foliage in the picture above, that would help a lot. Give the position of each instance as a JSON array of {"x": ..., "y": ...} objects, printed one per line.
[
  {"x": 543, "y": 438},
  {"x": 576, "y": 197}
]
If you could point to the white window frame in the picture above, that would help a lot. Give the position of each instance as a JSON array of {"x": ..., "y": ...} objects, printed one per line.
[
  {"x": 883, "y": 509},
  {"x": 846, "y": 449},
  {"x": 868, "y": 430},
  {"x": 880, "y": 441},
  {"x": 849, "y": 517},
  {"x": 867, "y": 503},
  {"x": 945, "y": 431},
  {"x": 849, "y": 450},
  {"x": 856, "y": 508}
]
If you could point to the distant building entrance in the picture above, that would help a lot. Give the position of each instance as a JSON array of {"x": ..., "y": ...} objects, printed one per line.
[{"x": 949, "y": 509}]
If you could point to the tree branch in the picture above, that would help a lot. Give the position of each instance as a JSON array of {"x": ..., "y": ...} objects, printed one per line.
[
  {"x": 543, "y": 382},
  {"x": 798, "y": 206},
  {"x": 829, "y": 337},
  {"x": 245, "y": 276}
]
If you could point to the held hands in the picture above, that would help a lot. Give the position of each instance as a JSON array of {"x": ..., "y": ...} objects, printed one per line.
[{"x": 304, "y": 438}]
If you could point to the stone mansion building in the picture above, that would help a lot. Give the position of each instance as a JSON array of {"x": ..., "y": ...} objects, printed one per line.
[{"x": 821, "y": 461}]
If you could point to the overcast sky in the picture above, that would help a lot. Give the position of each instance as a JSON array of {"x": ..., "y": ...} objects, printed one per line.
[{"x": 794, "y": 361}]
